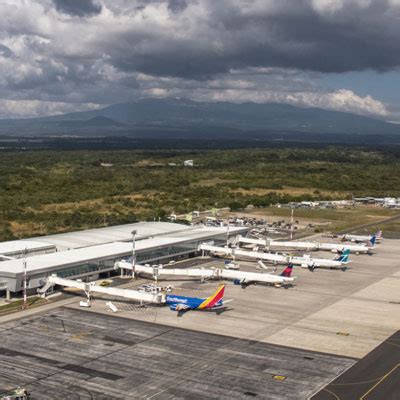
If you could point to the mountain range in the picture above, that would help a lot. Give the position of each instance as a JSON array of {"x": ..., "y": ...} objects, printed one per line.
[{"x": 181, "y": 118}]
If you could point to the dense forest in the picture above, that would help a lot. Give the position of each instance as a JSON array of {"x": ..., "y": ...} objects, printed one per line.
[{"x": 51, "y": 191}]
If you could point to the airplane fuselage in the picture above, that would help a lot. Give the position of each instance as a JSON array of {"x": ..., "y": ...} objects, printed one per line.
[
  {"x": 358, "y": 238},
  {"x": 317, "y": 262},
  {"x": 188, "y": 303},
  {"x": 256, "y": 277}
]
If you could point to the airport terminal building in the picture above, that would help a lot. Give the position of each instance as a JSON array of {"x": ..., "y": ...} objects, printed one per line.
[{"x": 93, "y": 252}]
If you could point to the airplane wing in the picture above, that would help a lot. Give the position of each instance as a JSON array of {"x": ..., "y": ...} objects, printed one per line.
[{"x": 223, "y": 305}]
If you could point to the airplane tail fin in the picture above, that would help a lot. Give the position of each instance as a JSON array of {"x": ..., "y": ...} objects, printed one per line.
[
  {"x": 344, "y": 256},
  {"x": 372, "y": 241},
  {"x": 211, "y": 301},
  {"x": 287, "y": 272}
]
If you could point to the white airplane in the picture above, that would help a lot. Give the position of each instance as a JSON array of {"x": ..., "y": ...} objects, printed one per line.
[
  {"x": 306, "y": 261},
  {"x": 308, "y": 246},
  {"x": 363, "y": 238},
  {"x": 239, "y": 277},
  {"x": 354, "y": 248},
  {"x": 246, "y": 278},
  {"x": 312, "y": 263}
]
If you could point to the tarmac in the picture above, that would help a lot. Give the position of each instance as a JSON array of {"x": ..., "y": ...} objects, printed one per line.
[
  {"x": 375, "y": 377},
  {"x": 309, "y": 334},
  {"x": 345, "y": 313},
  {"x": 74, "y": 354}
]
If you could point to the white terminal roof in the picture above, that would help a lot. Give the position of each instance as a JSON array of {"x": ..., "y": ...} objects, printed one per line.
[
  {"x": 62, "y": 259},
  {"x": 17, "y": 246},
  {"x": 121, "y": 233}
]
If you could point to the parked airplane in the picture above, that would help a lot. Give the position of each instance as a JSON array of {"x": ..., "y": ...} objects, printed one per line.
[
  {"x": 246, "y": 278},
  {"x": 183, "y": 303},
  {"x": 215, "y": 273},
  {"x": 280, "y": 258},
  {"x": 334, "y": 247},
  {"x": 363, "y": 238},
  {"x": 365, "y": 248},
  {"x": 312, "y": 263}
]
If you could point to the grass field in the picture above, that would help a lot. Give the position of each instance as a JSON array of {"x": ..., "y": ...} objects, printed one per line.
[
  {"x": 16, "y": 305},
  {"x": 59, "y": 191}
]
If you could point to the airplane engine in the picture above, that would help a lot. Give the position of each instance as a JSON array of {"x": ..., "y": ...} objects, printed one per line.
[
  {"x": 177, "y": 307},
  {"x": 241, "y": 282},
  {"x": 310, "y": 266}
]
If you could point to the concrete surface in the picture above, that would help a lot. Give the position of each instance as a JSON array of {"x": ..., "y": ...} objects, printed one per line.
[
  {"x": 327, "y": 311},
  {"x": 73, "y": 354}
]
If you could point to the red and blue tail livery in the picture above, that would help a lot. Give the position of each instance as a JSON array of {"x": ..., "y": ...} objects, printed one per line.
[
  {"x": 183, "y": 303},
  {"x": 287, "y": 272}
]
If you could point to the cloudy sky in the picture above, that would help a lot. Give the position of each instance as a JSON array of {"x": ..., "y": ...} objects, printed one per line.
[{"x": 59, "y": 56}]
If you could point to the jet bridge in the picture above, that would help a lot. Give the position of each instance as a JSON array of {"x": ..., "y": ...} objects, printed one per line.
[
  {"x": 334, "y": 247},
  {"x": 156, "y": 271},
  {"x": 274, "y": 258},
  {"x": 91, "y": 287},
  {"x": 217, "y": 273}
]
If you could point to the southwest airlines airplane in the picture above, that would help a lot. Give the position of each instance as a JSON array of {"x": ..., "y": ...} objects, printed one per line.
[{"x": 183, "y": 303}]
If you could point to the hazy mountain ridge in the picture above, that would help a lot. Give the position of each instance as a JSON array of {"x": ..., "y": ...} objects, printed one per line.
[{"x": 155, "y": 117}]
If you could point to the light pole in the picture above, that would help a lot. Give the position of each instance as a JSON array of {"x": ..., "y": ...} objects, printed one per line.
[
  {"x": 291, "y": 225},
  {"x": 25, "y": 281},
  {"x": 134, "y": 232}
]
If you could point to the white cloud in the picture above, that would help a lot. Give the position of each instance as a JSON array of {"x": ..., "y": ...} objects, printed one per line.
[
  {"x": 263, "y": 86},
  {"x": 341, "y": 100},
  {"x": 37, "y": 108}
]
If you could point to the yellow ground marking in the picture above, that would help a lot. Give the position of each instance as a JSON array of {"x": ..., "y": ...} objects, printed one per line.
[
  {"x": 279, "y": 377},
  {"x": 80, "y": 335},
  {"x": 379, "y": 382}
]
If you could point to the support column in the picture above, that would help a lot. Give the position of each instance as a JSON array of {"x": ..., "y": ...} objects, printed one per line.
[{"x": 8, "y": 295}]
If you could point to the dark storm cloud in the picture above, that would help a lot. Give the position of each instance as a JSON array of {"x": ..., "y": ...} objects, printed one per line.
[
  {"x": 352, "y": 37},
  {"x": 252, "y": 50},
  {"x": 177, "y": 6},
  {"x": 79, "y": 8}
]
